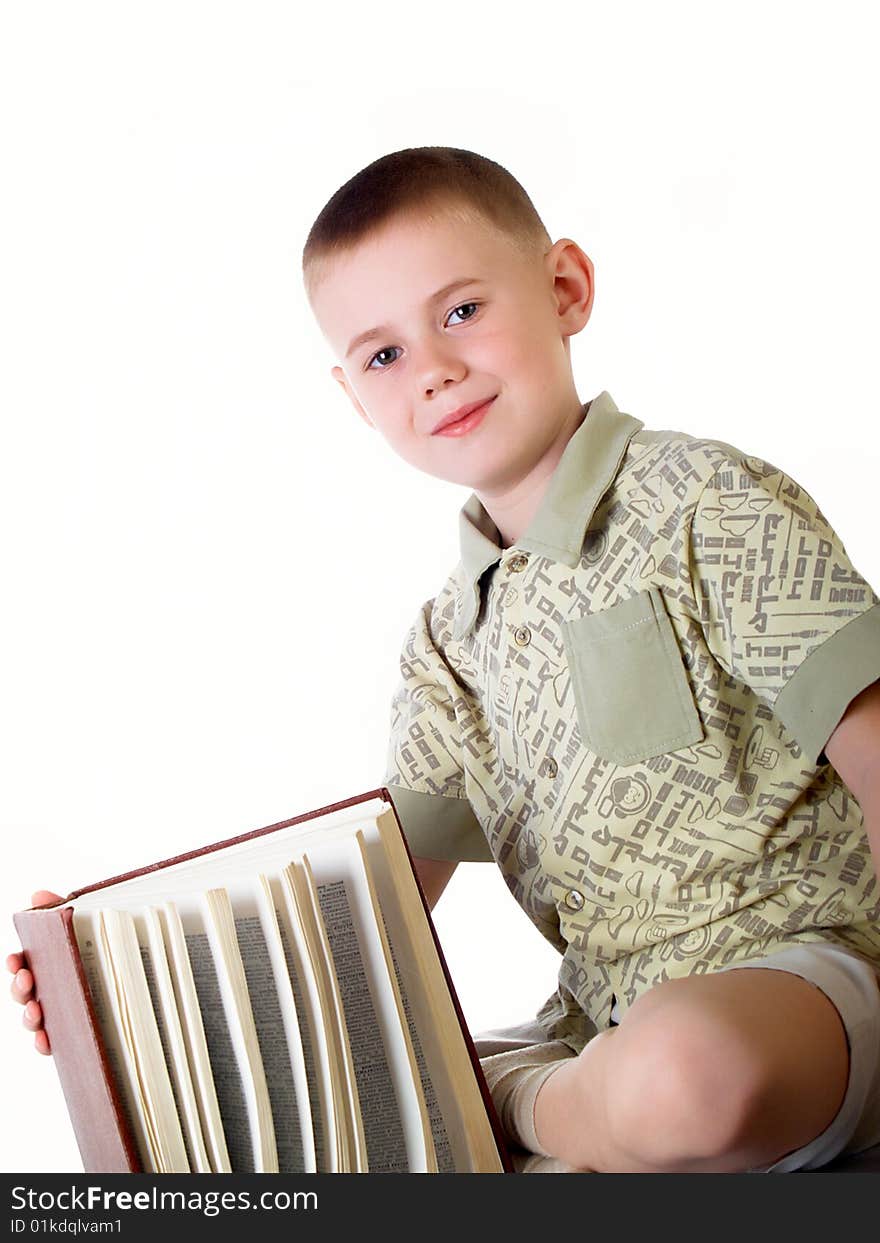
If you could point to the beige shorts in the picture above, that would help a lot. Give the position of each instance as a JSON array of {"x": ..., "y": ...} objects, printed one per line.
[{"x": 853, "y": 985}]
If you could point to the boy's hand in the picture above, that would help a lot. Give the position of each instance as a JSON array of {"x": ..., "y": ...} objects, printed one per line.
[{"x": 23, "y": 982}]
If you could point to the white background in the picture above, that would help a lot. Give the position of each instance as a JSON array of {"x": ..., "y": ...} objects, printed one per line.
[{"x": 208, "y": 560}]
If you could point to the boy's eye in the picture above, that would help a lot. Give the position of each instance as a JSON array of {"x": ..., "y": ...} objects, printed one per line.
[
  {"x": 466, "y": 306},
  {"x": 470, "y": 307},
  {"x": 389, "y": 349}
]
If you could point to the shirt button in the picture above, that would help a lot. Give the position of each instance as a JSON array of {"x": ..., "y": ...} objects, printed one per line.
[
  {"x": 574, "y": 900},
  {"x": 522, "y": 636},
  {"x": 517, "y": 563},
  {"x": 549, "y": 768}
]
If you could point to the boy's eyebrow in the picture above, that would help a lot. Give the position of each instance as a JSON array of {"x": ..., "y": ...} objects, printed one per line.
[{"x": 371, "y": 333}]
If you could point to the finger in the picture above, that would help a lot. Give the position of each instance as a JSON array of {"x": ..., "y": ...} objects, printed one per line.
[
  {"x": 22, "y": 986},
  {"x": 41, "y": 1043},
  {"x": 45, "y": 897},
  {"x": 14, "y": 962},
  {"x": 33, "y": 1016}
]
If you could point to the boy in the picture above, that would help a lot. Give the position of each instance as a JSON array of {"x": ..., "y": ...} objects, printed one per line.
[{"x": 648, "y": 691}]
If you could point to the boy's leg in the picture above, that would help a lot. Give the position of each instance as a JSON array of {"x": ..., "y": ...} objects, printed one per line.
[
  {"x": 719, "y": 1072},
  {"x": 514, "y": 1077},
  {"x": 515, "y": 1061}
]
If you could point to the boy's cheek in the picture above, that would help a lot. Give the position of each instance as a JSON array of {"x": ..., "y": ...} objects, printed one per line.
[{"x": 404, "y": 446}]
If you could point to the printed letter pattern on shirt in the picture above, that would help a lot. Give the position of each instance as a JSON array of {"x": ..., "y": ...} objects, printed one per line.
[{"x": 627, "y": 710}]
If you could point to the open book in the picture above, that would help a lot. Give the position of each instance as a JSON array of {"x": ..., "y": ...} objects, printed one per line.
[{"x": 276, "y": 1002}]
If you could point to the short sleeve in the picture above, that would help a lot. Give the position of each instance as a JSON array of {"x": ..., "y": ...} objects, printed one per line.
[
  {"x": 782, "y": 607},
  {"x": 424, "y": 772}
]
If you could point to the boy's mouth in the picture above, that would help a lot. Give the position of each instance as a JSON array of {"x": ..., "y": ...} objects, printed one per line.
[{"x": 462, "y": 413}]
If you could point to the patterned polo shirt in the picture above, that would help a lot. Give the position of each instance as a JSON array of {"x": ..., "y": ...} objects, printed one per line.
[{"x": 627, "y": 711}]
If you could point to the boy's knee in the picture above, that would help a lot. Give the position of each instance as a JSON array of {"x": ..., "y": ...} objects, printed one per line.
[{"x": 681, "y": 1090}]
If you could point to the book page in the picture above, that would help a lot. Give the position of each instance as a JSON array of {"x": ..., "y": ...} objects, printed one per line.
[
  {"x": 90, "y": 937},
  {"x": 350, "y": 1148},
  {"x": 195, "y": 1042},
  {"x": 391, "y": 1106},
  {"x": 443, "y": 1154},
  {"x": 226, "y": 1071},
  {"x": 271, "y": 1000},
  {"x": 131, "y": 970},
  {"x": 427, "y": 1162},
  {"x": 307, "y": 1006},
  {"x": 453, "y": 1084},
  {"x": 220, "y": 927},
  {"x": 380, "y": 1118},
  {"x": 155, "y": 960}
]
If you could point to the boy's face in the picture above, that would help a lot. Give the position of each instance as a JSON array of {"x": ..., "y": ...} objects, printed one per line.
[{"x": 501, "y": 336}]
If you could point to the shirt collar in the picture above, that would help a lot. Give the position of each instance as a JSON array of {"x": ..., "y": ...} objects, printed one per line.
[{"x": 583, "y": 475}]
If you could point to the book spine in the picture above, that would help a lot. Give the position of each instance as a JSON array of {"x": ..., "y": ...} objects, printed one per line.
[{"x": 93, "y": 1100}]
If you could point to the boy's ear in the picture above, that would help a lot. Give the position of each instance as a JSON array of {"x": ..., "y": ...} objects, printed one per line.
[
  {"x": 571, "y": 272},
  {"x": 340, "y": 377}
]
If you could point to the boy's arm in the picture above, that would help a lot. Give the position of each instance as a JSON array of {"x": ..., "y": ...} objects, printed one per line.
[
  {"x": 434, "y": 875},
  {"x": 854, "y": 750},
  {"x": 424, "y": 771},
  {"x": 803, "y": 634}
]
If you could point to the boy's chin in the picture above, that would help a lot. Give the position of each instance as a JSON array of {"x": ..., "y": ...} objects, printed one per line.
[
  {"x": 445, "y": 472},
  {"x": 466, "y": 472},
  {"x": 463, "y": 478}
]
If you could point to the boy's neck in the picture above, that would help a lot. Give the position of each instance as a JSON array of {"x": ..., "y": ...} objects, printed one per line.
[{"x": 513, "y": 510}]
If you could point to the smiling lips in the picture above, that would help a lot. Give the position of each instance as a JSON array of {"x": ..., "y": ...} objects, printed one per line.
[{"x": 461, "y": 421}]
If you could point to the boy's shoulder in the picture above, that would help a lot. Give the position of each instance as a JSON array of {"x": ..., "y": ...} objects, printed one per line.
[
  {"x": 704, "y": 473},
  {"x": 696, "y": 460},
  {"x": 668, "y": 477}
]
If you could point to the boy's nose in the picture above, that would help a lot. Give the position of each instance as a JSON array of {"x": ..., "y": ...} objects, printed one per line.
[{"x": 437, "y": 369}]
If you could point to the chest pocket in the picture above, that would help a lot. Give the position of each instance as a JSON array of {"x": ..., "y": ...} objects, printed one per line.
[{"x": 630, "y": 684}]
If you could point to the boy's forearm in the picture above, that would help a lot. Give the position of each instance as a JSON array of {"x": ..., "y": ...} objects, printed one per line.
[
  {"x": 854, "y": 751},
  {"x": 434, "y": 875},
  {"x": 869, "y": 801}
]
